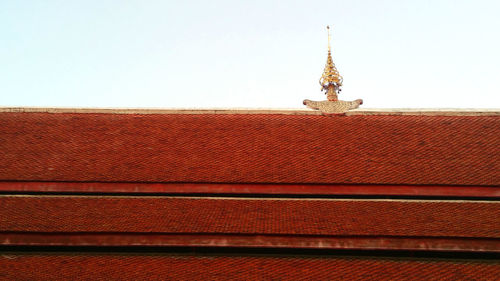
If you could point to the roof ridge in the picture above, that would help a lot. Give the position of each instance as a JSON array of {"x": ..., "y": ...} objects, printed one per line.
[{"x": 286, "y": 111}]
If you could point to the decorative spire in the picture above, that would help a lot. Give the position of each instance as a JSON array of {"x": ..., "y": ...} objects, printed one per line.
[{"x": 330, "y": 81}]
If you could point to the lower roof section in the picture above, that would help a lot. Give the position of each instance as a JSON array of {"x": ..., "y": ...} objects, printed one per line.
[
  {"x": 161, "y": 267},
  {"x": 242, "y": 222},
  {"x": 250, "y": 216}
]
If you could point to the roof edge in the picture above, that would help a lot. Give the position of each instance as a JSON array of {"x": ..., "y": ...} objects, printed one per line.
[{"x": 285, "y": 111}]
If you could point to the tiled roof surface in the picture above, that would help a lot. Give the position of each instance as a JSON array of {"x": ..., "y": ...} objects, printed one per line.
[
  {"x": 258, "y": 148},
  {"x": 288, "y": 154},
  {"x": 140, "y": 267},
  {"x": 244, "y": 216}
]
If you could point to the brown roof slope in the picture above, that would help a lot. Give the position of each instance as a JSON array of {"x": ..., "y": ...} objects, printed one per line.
[
  {"x": 247, "y": 216},
  {"x": 262, "y": 148},
  {"x": 161, "y": 267}
]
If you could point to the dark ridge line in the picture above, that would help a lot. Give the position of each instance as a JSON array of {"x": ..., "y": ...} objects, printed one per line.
[
  {"x": 248, "y": 183},
  {"x": 252, "y": 195},
  {"x": 250, "y": 252},
  {"x": 242, "y": 235}
]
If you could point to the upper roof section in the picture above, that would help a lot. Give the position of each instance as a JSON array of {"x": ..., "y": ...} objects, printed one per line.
[{"x": 262, "y": 146}]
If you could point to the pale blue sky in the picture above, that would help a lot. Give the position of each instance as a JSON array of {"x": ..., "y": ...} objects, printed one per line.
[{"x": 106, "y": 53}]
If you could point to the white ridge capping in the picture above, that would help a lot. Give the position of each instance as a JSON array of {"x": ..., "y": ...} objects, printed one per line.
[{"x": 285, "y": 111}]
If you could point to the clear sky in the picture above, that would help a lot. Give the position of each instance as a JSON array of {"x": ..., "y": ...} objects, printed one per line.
[{"x": 172, "y": 53}]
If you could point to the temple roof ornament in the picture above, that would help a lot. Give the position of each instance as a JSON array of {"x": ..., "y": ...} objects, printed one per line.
[{"x": 330, "y": 82}]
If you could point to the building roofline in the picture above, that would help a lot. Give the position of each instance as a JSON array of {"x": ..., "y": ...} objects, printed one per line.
[{"x": 285, "y": 111}]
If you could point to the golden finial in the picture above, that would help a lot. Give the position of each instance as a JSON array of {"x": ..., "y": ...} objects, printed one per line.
[{"x": 330, "y": 81}]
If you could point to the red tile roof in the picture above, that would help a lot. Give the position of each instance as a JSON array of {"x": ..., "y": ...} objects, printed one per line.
[
  {"x": 247, "y": 216},
  {"x": 430, "y": 155},
  {"x": 159, "y": 267},
  {"x": 378, "y": 149}
]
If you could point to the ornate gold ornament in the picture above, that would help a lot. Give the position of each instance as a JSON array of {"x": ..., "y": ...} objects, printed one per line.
[{"x": 330, "y": 82}]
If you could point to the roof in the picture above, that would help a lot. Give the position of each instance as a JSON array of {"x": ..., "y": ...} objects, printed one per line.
[
  {"x": 231, "y": 181},
  {"x": 251, "y": 148},
  {"x": 251, "y": 222},
  {"x": 64, "y": 266}
]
